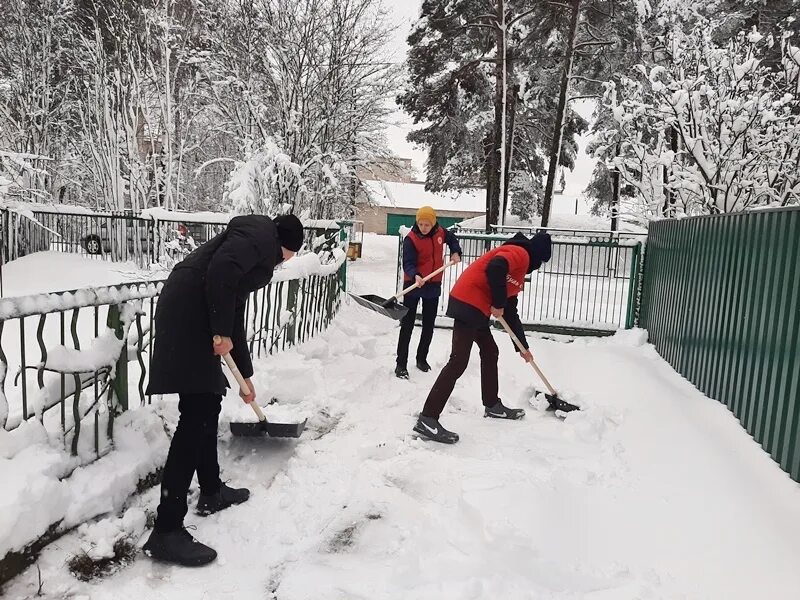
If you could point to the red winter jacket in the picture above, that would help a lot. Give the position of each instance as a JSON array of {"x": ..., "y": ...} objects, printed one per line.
[
  {"x": 495, "y": 279},
  {"x": 473, "y": 286},
  {"x": 423, "y": 254}
]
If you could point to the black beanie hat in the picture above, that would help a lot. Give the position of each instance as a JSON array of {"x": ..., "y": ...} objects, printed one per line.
[
  {"x": 539, "y": 248},
  {"x": 290, "y": 232},
  {"x": 542, "y": 246}
]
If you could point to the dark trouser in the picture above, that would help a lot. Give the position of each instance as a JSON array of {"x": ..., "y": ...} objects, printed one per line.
[
  {"x": 463, "y": 338},
  {"x": 429, "y": 306},
  {"x": 193, "y": 449}
]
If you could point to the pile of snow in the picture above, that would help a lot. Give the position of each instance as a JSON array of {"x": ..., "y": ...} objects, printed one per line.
[
  {"x": 103, "y": 351},
  {"x": 28, "y": 208},
  {"x": 37, "y": 492},
  {"x": 633, "y": 338},
  {"x": 97, "y": 539},
  {"x": 162, "y": 214},
  {"x": 58, "y": 271},
  {"x": 306, "y": 265}
]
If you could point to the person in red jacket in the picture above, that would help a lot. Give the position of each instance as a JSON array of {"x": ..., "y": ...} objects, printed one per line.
[
  {"x": 488, "y": 287},
  {"x": 423, "y": 251}
]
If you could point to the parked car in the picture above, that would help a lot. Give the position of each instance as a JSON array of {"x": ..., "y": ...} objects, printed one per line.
[{"x": 105, "y": 231}]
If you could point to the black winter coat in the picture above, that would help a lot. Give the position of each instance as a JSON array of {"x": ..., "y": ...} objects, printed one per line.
[{"x": 204, "y": 296}]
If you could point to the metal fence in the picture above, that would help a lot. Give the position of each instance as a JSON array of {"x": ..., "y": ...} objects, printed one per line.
[
  {"x": 119, "y": 237},
  {"x": 589, "y": 283},
  {"x": 55, "y": 349},
  {"x": 721, "y": 301}
]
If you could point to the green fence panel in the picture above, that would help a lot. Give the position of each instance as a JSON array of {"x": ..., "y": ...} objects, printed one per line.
[{"x": 721, "y": 301}]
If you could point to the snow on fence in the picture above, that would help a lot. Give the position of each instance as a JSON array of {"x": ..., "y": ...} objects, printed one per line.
[
  {"x": 590, "y": 282},
  {"x": 75, "y": 347},
  {"x": 151, "y": 236}
]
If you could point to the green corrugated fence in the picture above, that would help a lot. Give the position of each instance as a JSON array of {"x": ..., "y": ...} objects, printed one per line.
[{"x": 721, "y": 300}]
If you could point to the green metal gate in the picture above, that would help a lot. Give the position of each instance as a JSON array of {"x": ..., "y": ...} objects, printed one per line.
[{"x": 721, "y": 301}]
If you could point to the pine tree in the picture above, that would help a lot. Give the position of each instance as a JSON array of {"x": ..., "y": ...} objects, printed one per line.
[{"x": 456, "y": 90}]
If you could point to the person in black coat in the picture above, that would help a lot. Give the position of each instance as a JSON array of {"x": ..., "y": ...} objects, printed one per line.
[{"x": 205, "y": 297}]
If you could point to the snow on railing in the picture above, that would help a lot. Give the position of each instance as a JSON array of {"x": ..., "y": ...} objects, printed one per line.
[{"x": 39, "y": 304}]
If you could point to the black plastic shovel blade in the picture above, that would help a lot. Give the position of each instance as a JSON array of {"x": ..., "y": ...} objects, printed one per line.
[
  {"x": 266, "y": 428},
  {"x": 557, "y": 403},
  {"x": 388, "y": 308}
]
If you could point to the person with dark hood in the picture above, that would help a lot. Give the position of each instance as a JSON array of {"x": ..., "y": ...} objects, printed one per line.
[
  {"x": 423, "y": 253},
  {"x": 205, "y": 297},
  {"x": 488, "y": 287}
]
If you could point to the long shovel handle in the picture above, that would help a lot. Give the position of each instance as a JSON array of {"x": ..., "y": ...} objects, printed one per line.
[
  {"x": 523, "y": 349},
  {"x": 237, "y": 375},
  {"x": 424, "y": 279}
]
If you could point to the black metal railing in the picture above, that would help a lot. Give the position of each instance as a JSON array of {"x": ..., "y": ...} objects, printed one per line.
[
  {"x": 73, "y": 360},
  {"x": 589, "y": 283},
  {"x": 121, "y": 236}
]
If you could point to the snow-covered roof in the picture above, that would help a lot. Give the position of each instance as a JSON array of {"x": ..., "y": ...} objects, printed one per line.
[{"x": 414, "y": 195}]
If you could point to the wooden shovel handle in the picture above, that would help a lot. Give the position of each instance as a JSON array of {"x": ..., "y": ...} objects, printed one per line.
[
  {"x": 237, "y": 375},
  {"x": 524, "y": 349},
  {"x": 424, "y": 279}
]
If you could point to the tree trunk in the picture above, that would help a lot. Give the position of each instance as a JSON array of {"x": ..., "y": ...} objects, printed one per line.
[
  {"x": 491, "y": 182},
  {"x": 502, "y": 53},
  {"x": 669, "y": 195},
  {"x": 558, "y": 128},
  {"x": 615, "y": 176},
  {"x": 495, "y": 165},
  {"x": 512, "y": 107}
]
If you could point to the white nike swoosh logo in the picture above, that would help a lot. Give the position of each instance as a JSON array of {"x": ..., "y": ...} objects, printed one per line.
[{"x": 434, "y": 431}]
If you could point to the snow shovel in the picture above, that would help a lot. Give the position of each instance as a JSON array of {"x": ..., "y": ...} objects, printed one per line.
[
  {"x": 390, "y": 308},
  {"x": 556, "y": 403},
  {"x": 263, "y": 426}
]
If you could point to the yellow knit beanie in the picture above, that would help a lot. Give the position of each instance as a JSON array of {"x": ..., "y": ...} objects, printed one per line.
[{"x": 427, "y": 213}]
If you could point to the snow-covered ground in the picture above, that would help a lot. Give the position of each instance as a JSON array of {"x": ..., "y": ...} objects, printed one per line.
[{"x": 654, "y": 491}]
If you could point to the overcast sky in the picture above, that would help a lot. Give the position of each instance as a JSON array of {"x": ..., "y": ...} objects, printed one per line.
[{"x": 405, "y": 14}]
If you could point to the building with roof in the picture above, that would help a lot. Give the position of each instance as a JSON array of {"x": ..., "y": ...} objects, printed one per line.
[{"x": 385, "y": 206}]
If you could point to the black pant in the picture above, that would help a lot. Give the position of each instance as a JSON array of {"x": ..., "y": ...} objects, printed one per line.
[
  {"x": 193, "y": 449},
  {"x": 429, "y": 306},
  {"x": 463, "y": 338}
]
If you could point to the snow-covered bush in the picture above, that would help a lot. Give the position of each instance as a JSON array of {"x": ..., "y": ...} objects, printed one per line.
[{"x": 711, "y": 129}]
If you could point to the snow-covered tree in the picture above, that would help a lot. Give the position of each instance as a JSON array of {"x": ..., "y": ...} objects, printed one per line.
[
  {"x": 34, "y": 82},
  {"x": 737, "y": 123},
  {"x": 313, "y": 77}
]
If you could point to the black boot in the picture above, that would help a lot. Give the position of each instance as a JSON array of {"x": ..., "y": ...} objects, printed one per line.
[
  {"x": 499, "y": 411},
  {"x": 225, "y": 497},
  {"x": 178, "y": 547},
  {"x": 430, "y": 428},
  {"x": 401, "y": 372},
  {"x": 423, "y": 365}
]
